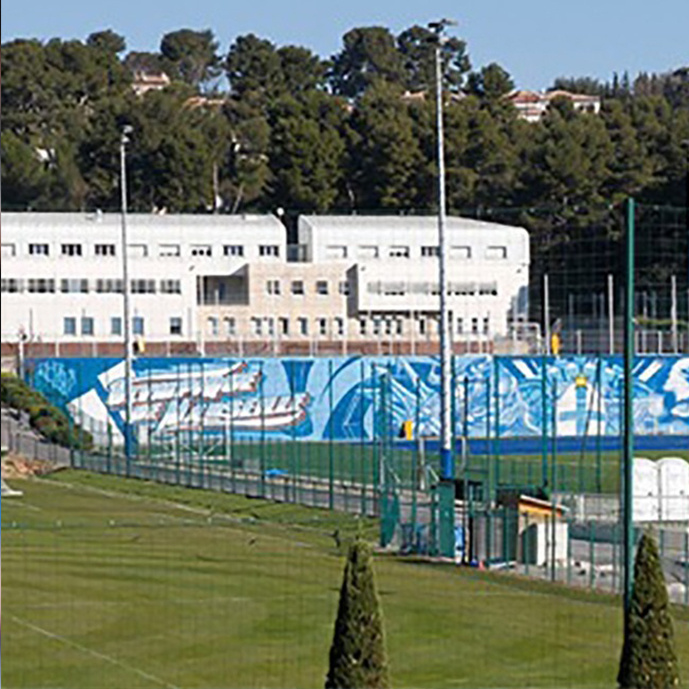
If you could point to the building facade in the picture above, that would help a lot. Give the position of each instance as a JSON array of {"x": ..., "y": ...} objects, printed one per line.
[{"x": 215, "y": 284}]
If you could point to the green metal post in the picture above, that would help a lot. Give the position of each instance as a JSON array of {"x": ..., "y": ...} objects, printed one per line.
[
  {"x": 331, "y": 448},
  {"x": 496, "y": 395},
  {"x": 263, "y": 432},
  {"x": 627, "y": 502},
  {"x": 362, "y": 439},
  {"x": 544, "y": 421},
  {"x": 599, "y": 405}
]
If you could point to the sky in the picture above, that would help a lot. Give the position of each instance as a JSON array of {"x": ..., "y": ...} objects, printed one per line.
[{"x": 534, "y": 40}]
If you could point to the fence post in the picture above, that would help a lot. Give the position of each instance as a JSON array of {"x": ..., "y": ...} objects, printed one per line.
[{"x": 331, "y": 448}]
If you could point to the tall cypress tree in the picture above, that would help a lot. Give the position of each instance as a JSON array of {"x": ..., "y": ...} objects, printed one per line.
[
  {"x": 358, "y": 659},
  {"x": 649, "y": 660}
]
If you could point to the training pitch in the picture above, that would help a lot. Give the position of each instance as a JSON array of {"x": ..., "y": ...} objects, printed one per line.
[{"x": 113, "y": 583}]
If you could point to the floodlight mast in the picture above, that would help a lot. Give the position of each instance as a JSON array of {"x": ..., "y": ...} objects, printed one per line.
[
  {"x": 447, "y": 469},
  {"x": 124, "y": 140}
]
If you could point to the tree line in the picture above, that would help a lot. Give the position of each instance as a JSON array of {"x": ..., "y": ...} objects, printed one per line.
[{"x": 262, "y": 127}]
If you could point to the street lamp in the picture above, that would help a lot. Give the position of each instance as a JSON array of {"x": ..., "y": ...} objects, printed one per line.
[
  {"x": 447, "y": 468},
  {"x": 124, "y": 140}
]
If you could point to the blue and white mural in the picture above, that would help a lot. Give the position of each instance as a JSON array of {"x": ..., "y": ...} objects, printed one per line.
[{"x": 342, "y": 398}]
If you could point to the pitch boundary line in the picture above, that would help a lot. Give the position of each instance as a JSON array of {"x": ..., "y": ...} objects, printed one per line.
[{"x": 95, "y": 654}]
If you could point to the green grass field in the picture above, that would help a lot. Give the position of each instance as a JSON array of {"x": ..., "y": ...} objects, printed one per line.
[
  {"x": 121, "y": 584},
  {"x": 360, "y": 463}
]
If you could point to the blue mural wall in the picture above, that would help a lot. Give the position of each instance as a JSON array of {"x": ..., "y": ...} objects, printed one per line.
[{"x": 342, "y": 398}]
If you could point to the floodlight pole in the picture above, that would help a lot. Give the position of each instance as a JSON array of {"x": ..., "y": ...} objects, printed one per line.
[
  {"x": 447, "y": 469},
  {"x": 124, "y": 140}
]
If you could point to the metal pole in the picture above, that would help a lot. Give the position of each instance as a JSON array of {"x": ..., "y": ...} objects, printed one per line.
[
  {"x": 673, "y": 315},
  {"x": 446, "y": 457},
  {"x": 628, "y": 455},
  {"x": 611, "y": 314},
  {"x": 546, "y": 312},
  {"x": 124, "y": 139}
]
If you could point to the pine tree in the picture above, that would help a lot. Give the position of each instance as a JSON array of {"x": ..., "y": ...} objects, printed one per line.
[
  {"x": 358, "y": 659},
  {"x": 649, "y": 660}
]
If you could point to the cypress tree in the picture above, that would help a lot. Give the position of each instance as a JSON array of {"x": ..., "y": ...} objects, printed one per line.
[
  {"x": 358, "y": 659},
  {"x": 649, "y": 660}
]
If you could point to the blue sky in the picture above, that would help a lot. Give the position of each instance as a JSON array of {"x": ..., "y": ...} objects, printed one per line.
[{"x": 535, "y": 40}]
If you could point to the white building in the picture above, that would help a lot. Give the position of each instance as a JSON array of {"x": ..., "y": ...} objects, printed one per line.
[
  {"x": 533, "y": 105},
  {"x": 221, "y": 283}
]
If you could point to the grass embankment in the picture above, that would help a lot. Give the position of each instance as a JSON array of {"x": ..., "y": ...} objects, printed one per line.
[{"x": 117, "y": 583}]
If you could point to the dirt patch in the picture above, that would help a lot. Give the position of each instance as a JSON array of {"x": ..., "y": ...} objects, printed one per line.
[{"x": 16, "y": 466}]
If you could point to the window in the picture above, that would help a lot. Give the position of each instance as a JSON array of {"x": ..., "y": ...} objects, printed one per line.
[
  {"x": 171, "y": 287},
  {"x": 343, "y": 287},
  {"x": 72, "y": 285},
  {"x": 273, "y": 287},
  {"x": 270, "y": 322},
  {"x": 201, "y": 250},
  {"x": 335, "y": 252},
  {"x": 474, "y": 325},
  {"x": 71, "y": 249},
  {"x": 86, "y": 325},
  {"x": 398, "y": 252},
  {"x": 268, "y": 250},
  {"x": 322, "y": 326},
  {"x": 488, "y": 289},
  {"x": 322, "y": 287},
  {"x": 460, "y": 252},
  {"x": 496, "y": 253},
  {"x": 388, "y": 327},
  {"x": 486, "y": 325},
  {"x": 368, "y": 252},
  {"x": 339, "y": 326},
  {"x": 398, "y": 324},
  {"x": 230, "y": 326},
  {"x": 11, "y": 285},
  {"x": 284, "y": 326},
  {"x": 169, "y": 250},
  {"x": 423, "y": 328},
  {"x": 105, "y": 249},
  {"x": 303, "y": 326},
  {"x": 460, "y": 326},
  {"x": 115, "y": 325},
  {"x": 137, "y": 250},
  {"x": 257, "y": 326},
  {"x": 7, "y": 250},
  {"x": 212, "y": 326},
  {"x": 175, "y": 325},
  {"x": 430, "y": 251},
  {"x": 233, "y": 250},
  {"x": 143, "y": 286},
  {"x": 376, "y": 326},
  {"x": 69, "y": 326},
  {"x": 108, "y": 285},
  {"x": 41, "y": 285},
  {"x": 138, "y": 325},
  {"x": 38, "y": 250},
  {"x": 362, "y": 326},
  {"x": 298, "y": 287}
]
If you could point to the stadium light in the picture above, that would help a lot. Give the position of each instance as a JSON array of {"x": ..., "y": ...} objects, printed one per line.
[
  {"x": 447, "y": 468},
  {"x": 124, "y": 140}
]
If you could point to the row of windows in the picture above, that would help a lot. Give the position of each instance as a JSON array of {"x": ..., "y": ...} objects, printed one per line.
[
  {"x": 298, "y": 287},
  {"x": 83, "y": 285},
  {"x": 491, "y": 253},
  {"x": 85, "y": 325},
  {"x": 461, "y": 289},
  {"x": 269, "y": 326},
  {"x": 140, "y": 250}
]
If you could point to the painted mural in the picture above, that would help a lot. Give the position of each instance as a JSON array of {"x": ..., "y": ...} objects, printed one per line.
[{"x": 343, "y": 398}]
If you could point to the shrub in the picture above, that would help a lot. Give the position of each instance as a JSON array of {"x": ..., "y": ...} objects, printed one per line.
[
  {"x": 358, "y": 658},
  {"x": 649, "y": 660},
  {"x": 48, "y": 420}
]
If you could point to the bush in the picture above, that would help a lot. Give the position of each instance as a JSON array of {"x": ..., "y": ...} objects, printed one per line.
[
  {"x": 358, "y": 659},
  {"x": 649, "y": 660},
  {"x": 50, "y": 421}
]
